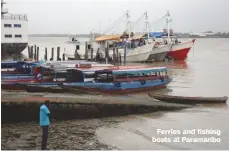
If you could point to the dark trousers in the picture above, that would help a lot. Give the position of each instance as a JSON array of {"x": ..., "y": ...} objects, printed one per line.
[{"x": 44, "y": 137}]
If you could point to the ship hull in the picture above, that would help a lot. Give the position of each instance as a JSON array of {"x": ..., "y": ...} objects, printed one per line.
[
  {"x": 180, "y": 51},
  {"x": 11, "y": 48}
]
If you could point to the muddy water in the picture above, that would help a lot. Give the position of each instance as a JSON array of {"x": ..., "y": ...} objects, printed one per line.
[{"x": 204, "y": 73}]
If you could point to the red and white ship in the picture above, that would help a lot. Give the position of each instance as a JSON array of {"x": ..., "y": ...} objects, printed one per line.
[{"x": 179, "y": 51}]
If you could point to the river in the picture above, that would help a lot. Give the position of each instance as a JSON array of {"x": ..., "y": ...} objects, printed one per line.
[{"x": 204, "y": 73}]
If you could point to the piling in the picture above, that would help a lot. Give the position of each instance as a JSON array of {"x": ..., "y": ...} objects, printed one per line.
[
  {"x": 52, "y": 55},
  {"x": 86, "y": 51},
  {"x": 63, "y": 57},
  {"x": 46, "y": 54},
  {"x": 117, "y": 56},
  {"x": 125, "y": 56},
  {"x": 114, "y": 56},
  {"x": 106, "y": 55},
  {"x": 120, "y": 58},
  {"x": 37, "y": 54},
  {"x": 31, "y": 53},
  {"x": 92, "y": 54},
  {"x": 58, "y": 54},
  {"x": 97, "y": 55}
]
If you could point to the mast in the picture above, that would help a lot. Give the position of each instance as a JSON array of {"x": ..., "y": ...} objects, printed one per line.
[
  {"x": 168, "y": 20},
  {"x": 128, "y": 22},
  {"x": 147, "y": 25}
]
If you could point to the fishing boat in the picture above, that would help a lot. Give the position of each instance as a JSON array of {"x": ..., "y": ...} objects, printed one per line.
[
  {"x": 121, "y": 81},
  {"x": 179, "y": 51},
  {"x": 159, "y": 52},
  {"x": 189, "y": 100},
  {"x": 132, "y": 47}
]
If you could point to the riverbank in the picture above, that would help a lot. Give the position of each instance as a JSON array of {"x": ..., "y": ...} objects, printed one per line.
[{"x": 69, "y": 106}]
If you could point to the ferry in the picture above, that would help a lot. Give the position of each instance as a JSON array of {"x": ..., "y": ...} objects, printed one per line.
[
  {"x": 14, "y": 35},
  {"x": 121, "y": 81}
]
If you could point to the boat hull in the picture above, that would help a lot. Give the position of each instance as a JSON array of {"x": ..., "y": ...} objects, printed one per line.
[
  {"x": 180, "y": 51},
  {"x": 139, "y": 54},
  {"x": 112, "y": 88},
  {"x": 190, "y": 100},
  {"x": 159, "y": 53}
]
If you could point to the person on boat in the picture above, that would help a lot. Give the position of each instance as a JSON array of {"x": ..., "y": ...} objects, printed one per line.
[
  {"x": 45, "y": 116},
  {"x": 176, "y": 41}
]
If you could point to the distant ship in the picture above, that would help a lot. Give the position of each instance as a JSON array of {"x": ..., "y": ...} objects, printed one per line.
[{"x": 14, "y": 31}]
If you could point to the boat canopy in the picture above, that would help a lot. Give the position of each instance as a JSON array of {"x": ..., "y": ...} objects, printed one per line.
[
  {"x": 138, "y": 36},
  {"x": 131, "y": 71},
  {"x": 108, "y": 37},
  {"x": 159, "y": 34},
  {"x": 156, "y": 34}
]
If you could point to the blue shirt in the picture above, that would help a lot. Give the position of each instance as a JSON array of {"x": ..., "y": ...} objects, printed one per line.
[{"x": 44, "y": 118}]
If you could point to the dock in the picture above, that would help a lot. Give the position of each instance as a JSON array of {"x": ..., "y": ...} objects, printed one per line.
[{"x": 24, "y": 107}]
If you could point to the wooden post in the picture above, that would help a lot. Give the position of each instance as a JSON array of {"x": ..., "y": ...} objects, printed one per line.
[
  {"x": 52, "y": 55},
  {"x": 125, "y": 56},
  {"x": 92, "y": 54},
  {"x": 58, "y": 54},
  {"x": 46, "y": 54},
  {"x": 31, "y": 53},
  {"x": 63, "y": 57},
  {"x": 117, "y": 56},
  {"x": 120, "y": 58},
  {"x": 114, "y": 56},
  {"x": 106, "y": 55},
  {"x": 86, "y": 51},
  {"x": 37, "y": 54},
  {"x": 97, "y": 54}
]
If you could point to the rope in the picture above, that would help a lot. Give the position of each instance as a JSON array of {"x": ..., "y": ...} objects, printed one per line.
[{"x": 115, "y": 23}]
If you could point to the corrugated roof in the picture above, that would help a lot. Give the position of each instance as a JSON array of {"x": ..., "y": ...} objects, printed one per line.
[{"x": 108, "y": 37}]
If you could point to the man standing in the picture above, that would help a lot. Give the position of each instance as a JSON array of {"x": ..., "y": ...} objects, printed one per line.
[{"x": 44, "y": 123}]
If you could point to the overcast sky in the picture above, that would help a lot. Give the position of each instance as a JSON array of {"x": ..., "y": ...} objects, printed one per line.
[{"x": 82, "y": 16}]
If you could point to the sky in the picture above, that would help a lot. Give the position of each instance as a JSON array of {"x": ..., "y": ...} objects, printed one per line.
[{"x": 83, "y": 16}]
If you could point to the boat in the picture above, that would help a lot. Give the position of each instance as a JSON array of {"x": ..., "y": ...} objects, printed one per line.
[
  {"x": 121, "y": 81},
  {"x": 14, "y": 32},
  {"x": 189, "y": 100},
  {"x": 179, "y": 50},
  {"x": 137, "y": 47},
  {"x": 50, "y": 84},
  {"x": 159, "y": 52}
]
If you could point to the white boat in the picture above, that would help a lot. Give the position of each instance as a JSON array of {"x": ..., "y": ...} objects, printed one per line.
[
  {"x": 14, "y": 35},
  {"x": 159, "y": 52},
  {"x": 139, "y": 54}
]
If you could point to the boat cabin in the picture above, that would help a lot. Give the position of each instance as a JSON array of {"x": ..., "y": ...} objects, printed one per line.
[{"x": 130, "y": 74}]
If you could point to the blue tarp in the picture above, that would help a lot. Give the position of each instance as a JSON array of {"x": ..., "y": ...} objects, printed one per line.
[{"x": 157, "y": 34}]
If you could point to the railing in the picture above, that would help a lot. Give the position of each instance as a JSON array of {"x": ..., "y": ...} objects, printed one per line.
[
  {"x": 4, "y": 10},
  {"x": 15, "y": 17}
]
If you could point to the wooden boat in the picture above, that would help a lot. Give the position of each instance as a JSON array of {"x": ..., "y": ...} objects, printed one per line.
[
  {"x": 189, "y": 100},
  {"x": 122, "y": 81}
]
